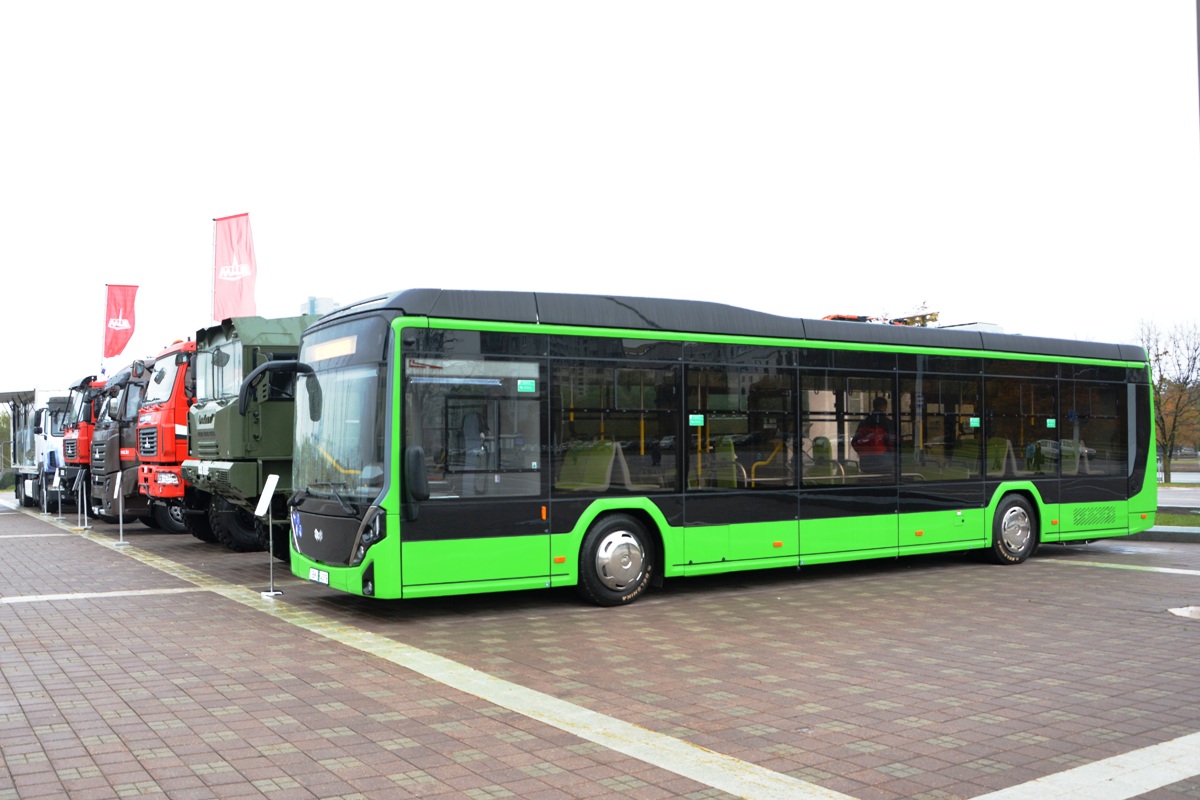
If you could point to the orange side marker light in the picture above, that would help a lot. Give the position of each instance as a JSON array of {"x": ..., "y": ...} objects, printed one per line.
[{"x": 560, "y": 559}]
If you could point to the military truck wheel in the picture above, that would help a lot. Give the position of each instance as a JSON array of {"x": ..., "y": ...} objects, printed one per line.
[
  {"x": 170, "y": 518},
  {"x": 200, "y": 527},
  {"x": 235, "y": 528},
  {"x": 280, "y": 541}
]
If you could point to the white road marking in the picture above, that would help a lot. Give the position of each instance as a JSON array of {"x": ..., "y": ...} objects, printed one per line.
[
  {"x": 49, "y": 598},
  {"x": 1117, "y": 778}
]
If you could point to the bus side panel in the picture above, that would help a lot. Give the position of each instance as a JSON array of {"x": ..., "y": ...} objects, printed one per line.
[
  {"x": 1092, "y": 507},
  {"x": 765, "y": 540},
  {"x": 932, "y": 530},
  {"x": 847, "y": 538},
  {"x": 466, "y": 561},
  {"x": 1092, "y": 520}
]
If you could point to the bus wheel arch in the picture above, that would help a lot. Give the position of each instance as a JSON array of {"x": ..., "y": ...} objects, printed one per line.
[
  {"x": 1015, "y": 529},
  {"x": 618, "y": 558}
]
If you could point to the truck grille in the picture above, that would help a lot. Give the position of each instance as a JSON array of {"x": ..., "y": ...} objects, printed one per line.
[
  {"x": 98, "y": 449},
  {"x": 148, "y": 441},
  {"x": 69, "y": 448},
  {"x": 204, "y": 443}
]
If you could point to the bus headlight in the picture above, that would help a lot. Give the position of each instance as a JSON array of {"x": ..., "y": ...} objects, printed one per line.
[{"x": 373, "y": 532}]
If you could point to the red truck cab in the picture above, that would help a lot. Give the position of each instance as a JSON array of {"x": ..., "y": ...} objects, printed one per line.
[
  {"x": 82, "y": 409},
  {"x": 163, "y": 433}
]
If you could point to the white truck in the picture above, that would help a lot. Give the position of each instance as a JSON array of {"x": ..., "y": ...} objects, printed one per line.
[{"x": 38, "y": 419}]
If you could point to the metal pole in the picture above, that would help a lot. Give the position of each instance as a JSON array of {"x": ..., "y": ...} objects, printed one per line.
[
  {"x": 120, "y": 513},
  {"x": 264, "y": 507},
  {"x": 59, "y": 491}
]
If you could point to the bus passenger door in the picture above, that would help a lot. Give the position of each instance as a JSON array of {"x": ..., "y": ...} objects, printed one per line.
[{"x": 483, "y": 526}]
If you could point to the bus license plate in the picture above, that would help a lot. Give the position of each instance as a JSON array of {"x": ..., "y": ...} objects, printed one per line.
[{"x": 318, "y": 575}]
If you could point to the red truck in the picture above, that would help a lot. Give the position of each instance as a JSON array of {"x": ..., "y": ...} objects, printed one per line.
[
  {"x": 83, "y": 407},
  {"x": 162, "y": 434}
]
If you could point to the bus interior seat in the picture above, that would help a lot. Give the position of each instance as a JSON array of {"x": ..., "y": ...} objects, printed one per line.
[
  {"x": 587, "y": 467},
  {"x": 626, "y": 478},
  {"x": 823, "y": 464}
]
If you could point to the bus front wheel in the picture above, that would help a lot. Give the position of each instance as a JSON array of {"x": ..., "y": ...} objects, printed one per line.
[
  {"x": 615, "y": 562},
  {"x": 1014, "y": 531}
]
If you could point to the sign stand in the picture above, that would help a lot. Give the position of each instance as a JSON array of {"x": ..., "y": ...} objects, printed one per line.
[
  {"x": 80, "y": 502},
  {"x": 264, "y": 507},
  {"x": 57, "y": 487},
  {"x": 120, "y": 514}
]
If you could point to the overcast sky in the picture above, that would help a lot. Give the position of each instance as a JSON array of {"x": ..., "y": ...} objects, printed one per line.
[{"x": 1034, "y": 164}]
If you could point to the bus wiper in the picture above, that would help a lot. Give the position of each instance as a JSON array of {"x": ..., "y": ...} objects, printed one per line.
[
  {"x": 298, "y": 497},
  {"x": 350, "y": 509}
]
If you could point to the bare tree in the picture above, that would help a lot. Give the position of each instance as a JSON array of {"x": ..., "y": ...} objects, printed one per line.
[{"x": 1175, "y": 366}]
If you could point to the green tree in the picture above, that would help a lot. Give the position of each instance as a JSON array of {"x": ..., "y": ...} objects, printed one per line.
[{"x": 1175, "y": 366}]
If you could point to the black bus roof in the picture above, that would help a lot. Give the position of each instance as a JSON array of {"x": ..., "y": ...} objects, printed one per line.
[{"x": 702, "y": 317}]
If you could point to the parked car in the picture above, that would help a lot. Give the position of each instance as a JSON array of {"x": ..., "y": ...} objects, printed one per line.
[{"x": 1052, "y": 449}]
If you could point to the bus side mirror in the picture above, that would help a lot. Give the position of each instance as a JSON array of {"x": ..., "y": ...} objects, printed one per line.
[
  {"x": 312, "y": 386},
  {"x": 416, "y": 481},
  {"x": 247, "y": 388}
]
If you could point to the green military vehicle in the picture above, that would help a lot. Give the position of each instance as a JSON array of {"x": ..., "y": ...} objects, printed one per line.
[{"x": 233, "y": 446}]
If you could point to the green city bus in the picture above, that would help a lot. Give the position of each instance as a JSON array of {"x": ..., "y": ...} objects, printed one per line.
[{"x": 452, "y": 442}]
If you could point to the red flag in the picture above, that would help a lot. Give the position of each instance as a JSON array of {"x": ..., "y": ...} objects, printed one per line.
[
  {"x": 234, "y": 269},
  {"x": 118, "y": 319}
]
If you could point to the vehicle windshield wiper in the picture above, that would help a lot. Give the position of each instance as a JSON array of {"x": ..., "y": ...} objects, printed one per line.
[{"x": 349, "y": 508}]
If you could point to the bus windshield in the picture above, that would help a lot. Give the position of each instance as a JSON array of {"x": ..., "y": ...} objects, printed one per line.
[{"x": 339, "y": 451}]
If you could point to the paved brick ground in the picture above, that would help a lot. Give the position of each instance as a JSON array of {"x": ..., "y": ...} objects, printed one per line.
[{"x": 938, "y": 677}]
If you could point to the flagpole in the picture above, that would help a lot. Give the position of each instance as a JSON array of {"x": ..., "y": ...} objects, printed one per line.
[{"x": 213, "y": 277}]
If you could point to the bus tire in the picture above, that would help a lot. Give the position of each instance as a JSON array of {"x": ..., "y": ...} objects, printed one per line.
[
  {"x": 235, "y": 527},
  {"x": 616, "y": 561},
  {"x": 1014, "y": 531}
]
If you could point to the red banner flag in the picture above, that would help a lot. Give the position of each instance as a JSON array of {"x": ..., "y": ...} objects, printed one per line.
[
  {"x": 234, "y": 269},
  {"x": 118, "y": 319}
]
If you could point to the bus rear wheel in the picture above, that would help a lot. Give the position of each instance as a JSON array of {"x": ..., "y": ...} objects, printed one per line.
[
  {"x": 1014, "y": 531},
  {"x": 615, "y": 562}
]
